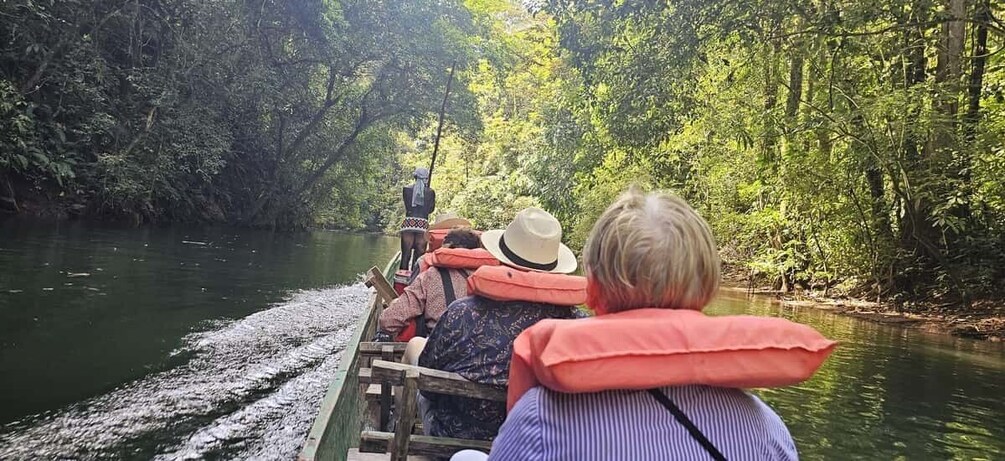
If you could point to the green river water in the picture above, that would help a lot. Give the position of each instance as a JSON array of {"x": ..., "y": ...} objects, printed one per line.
[{"x": 219, "y": 343}]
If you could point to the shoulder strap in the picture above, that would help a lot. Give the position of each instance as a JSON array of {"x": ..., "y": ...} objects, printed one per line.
[
  {"x": 448, "y": 295},
  {"x": 686, "y": 422},
  {"x": 448, "y": 285}
]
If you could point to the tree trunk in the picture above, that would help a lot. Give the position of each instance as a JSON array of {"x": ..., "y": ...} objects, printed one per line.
[
  {"x": 795, "y": 85},
  {"x": 362, "y": 123},
  {"x": 948, "y": 70},
  {"x": 915, "y": 229},
  {"x": 792, "y": 101},
  {"x": 950, "y": 56},
  {"x": 982, "y": 15},
  {"x": 770, "y": 101}
]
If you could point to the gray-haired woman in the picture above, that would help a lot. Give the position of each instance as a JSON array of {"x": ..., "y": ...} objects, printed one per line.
[{"x": 651, "y": 254}]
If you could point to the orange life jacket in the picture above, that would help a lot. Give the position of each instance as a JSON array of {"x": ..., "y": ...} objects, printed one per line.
[
  {"x": 436, "y": 237},
  {"x": 446, "y": 258},
  {"x": 457, "y": 258},
  {"x": 503, "y": 283},
  {"x": 651, "y": 348}
]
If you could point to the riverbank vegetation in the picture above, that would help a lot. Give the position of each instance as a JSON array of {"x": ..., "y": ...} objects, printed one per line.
[
  {"x": 825, "y": 142},
  {"x": 250, "y": 112},
  {"x": 844, "y": 147}
]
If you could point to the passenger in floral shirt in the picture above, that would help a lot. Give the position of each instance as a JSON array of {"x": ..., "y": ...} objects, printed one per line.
[{"x": 474, "y": 337}]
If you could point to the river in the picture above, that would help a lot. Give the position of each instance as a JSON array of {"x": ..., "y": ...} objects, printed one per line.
[{"x": 187, "y": 343}]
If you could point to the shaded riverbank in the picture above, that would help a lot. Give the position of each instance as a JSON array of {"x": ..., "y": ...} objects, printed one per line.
[{"x": 985, "y": 320}]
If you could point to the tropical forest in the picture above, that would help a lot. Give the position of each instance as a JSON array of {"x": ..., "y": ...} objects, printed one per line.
[
  {"x": 856, "y": 145},
  {"x": 190, "y": 191}
]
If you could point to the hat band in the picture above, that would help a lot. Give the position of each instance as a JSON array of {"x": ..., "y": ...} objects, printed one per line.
[{"x": 516, "y": 259}]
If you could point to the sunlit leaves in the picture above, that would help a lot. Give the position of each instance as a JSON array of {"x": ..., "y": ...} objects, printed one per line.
[{"x": 804, "y": 132}]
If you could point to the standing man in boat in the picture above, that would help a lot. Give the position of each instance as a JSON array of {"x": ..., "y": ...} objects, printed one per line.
[{"x": 420, "y": 200}]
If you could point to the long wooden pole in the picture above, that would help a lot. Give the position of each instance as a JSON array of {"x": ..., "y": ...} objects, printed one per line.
[{"x": 439, "y": 127}]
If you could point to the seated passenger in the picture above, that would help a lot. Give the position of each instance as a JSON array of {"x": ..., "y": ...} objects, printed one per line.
[
  {"x": 428, "y": 296},
  {"x": 438, "y": 229},
  {"x": 646, "y": 253},
  {"x": 474, "y": 337},
  {"x": 441, "y": 226}
]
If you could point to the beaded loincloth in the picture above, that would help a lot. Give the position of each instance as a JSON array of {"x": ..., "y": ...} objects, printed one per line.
[{"x": 414, "y": 225}]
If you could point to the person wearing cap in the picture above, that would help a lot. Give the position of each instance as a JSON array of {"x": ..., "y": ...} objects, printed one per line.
[
  {"x": 474, "y": 337},
  {"x": 420, "y": 200},
  {"x": 428, "y": 295}
]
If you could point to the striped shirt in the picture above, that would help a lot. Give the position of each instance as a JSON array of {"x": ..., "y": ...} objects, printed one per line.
[{"x": 632, "y": 425}]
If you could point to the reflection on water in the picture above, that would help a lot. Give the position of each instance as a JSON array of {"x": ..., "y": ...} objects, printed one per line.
[
  {"x": 890, "y": 393},
  {"x": 187, "y": 344}
]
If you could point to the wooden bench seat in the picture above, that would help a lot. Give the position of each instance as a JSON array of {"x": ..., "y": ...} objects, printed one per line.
[
  {"x": 422, "y": 445},
  {"x": 377, "y": 349},
  {"x": 355, "y": 455},
  {"x": 411, "y": 379},
  {"x": 379, "y": 402}
]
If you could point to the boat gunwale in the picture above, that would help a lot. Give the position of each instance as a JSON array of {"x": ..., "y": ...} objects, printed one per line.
[{"x": 318, "y": 442}]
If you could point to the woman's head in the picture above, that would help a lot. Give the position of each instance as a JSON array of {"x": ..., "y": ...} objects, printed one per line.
[
  {"x": 650, "y": 250},
  {"x": 462, "y": 237}
]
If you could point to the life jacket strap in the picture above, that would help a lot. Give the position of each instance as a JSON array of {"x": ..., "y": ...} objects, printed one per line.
[
  {"x": 448, "y": 284},
  {"x": 448, "y": 294},
  {"x": 681, "y": 418}
]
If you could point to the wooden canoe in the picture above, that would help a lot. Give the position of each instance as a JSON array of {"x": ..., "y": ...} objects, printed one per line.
[{"x": 336, "y": 429}]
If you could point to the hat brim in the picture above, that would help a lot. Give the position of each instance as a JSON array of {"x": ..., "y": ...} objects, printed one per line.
[
  {"x": 450, "y": 223},
  {"x": 566, "y": 259}
]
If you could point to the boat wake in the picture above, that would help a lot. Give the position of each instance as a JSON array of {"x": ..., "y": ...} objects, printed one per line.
[{"x": 249, "y": 389}]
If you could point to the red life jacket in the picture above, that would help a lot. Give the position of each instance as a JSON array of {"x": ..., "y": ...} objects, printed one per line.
[
  {"x": 503, "y": 283},
  {"x": 401, "y": 278},
  {"x": 652, "y": 348},
  {"x": 445, "y": 259},
  {"x": 436, "y": 237}
]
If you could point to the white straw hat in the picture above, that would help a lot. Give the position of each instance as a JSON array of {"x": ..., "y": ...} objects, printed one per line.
[
  {"x": 532, "y": 241},
  {"x": 449, "y": 220}
]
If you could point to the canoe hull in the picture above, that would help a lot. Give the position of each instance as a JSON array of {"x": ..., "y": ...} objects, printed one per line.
[{"x": 336, "y": 429}]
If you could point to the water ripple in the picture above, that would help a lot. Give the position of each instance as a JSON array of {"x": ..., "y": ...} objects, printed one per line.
[{"x": 249, "y": 389}]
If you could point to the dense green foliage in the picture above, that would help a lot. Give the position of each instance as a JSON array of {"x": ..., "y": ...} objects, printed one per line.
[
  {"x": 824, "y": 141},
  {"x": 828, "y": 143},
  {"x": 518, "y": 87},
  {"x": 239, "y": 111}
]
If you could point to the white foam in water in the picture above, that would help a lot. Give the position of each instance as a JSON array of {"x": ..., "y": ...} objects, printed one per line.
[{"x": 250, "y": 390}]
